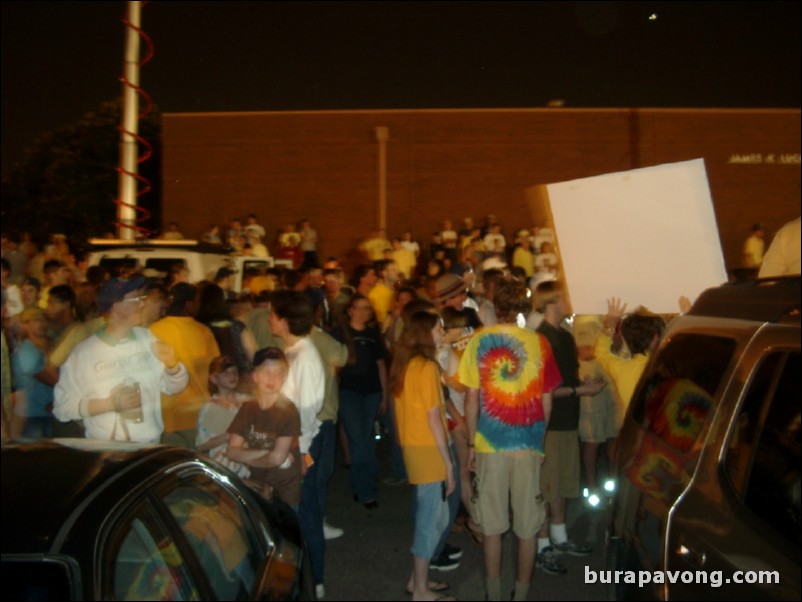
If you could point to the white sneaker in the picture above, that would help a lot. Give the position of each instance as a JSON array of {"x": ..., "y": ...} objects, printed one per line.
[
  {"x": 330, "y": 532},
  {"x": 320, "y": 591}
]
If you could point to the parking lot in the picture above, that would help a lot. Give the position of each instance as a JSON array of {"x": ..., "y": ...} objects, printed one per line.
[{"x": 372, "y": 560}]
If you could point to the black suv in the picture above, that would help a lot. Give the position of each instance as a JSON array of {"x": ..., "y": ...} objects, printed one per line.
[{"x": 708, "y": 462}]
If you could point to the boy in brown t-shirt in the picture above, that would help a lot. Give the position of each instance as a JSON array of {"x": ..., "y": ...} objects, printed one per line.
[{"x": 264, "y": 433}]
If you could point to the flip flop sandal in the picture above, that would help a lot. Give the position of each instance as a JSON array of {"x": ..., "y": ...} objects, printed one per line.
[{"x": 435, "y": 586}]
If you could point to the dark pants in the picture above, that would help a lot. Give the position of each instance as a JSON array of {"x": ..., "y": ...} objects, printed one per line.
[
  {"x": 311, "y": 510},
  {"x": 358, "y": 413}
]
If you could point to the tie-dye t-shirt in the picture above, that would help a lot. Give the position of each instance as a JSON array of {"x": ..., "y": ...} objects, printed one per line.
[{"x": 512, "y": 368}]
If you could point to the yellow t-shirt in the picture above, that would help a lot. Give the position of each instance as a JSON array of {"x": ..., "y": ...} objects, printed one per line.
[
  {"x": 524, "y": 259},
  {"x": 381, "y": 298},
  {"x": 422, "y": 393},
  {"x": 625, "y": 373},
  {"x": 75, "y": 333},
  {"x": 195, "y": 347},
  {"x": 406, "y": 261}
]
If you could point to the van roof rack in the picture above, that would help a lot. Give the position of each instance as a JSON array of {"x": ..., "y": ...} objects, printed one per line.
[
  {"x": 185, "y": 243},
  {"x": 762, "y": 300}
]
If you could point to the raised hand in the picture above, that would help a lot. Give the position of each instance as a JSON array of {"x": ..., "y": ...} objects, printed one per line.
[
  {"x": 615, "y": 311},
  {"x": 165, "y": 353}
]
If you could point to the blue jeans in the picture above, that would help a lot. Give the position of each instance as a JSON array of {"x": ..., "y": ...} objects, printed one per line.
[
  {"x": 310, "y": 512},
  {"x": 358, "y": 414},
  {"x": 431, "y": 519},
  {"x": 38, "y": 427},
  {"x": 453, "y": 505}
]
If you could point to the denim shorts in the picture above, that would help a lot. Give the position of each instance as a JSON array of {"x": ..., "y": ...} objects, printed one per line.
[{"x": 431, "y": 519}]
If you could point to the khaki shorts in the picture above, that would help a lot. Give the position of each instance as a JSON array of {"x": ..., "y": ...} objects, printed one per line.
[
  {"x": 504, "y": 480},
  {"x": 600, "y": 417},
  {"x": 559, "y": 476}
]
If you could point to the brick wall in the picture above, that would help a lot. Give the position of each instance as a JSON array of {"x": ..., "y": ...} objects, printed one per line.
[{"x": 457, "y": 163}]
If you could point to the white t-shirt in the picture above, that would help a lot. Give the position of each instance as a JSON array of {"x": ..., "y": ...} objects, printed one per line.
[
  {"x": 96, "y": 366},
  {"x": 306, "y": 387}
]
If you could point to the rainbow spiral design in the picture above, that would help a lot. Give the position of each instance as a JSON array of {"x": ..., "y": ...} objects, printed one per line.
[{"x": 510, "y": 383}]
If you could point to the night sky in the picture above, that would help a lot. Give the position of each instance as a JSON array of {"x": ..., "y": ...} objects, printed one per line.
[{"x": 62, "y": 59}]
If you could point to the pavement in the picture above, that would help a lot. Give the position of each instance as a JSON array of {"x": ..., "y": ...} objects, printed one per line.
[{"x": 372, "y": 561}]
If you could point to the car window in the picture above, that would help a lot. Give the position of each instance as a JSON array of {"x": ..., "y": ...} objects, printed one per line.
[
  {"x": 673, "y": 407},
  {"x": 148, "y": 566},
  {"x": 258, "y": 264},
  {"x": 763, "y": 458},
  {"x": 163, "y": 264},
  {"x": 118, "y": 265},
  {"x": 220, "y": 533}
]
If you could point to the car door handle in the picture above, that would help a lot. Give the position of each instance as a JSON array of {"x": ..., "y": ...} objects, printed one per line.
[{"x": 693, "y": 557}]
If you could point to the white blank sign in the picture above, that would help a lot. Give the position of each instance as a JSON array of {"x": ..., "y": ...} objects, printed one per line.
[{"x": 647, "y": 236}]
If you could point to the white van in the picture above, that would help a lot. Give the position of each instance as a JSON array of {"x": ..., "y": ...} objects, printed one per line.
[{"x": 156, "y": 257}]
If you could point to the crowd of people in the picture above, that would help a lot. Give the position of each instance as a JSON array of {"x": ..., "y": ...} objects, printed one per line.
[
  {"x": 471, "y": 247},
  {"x": 460, "y": 353}
]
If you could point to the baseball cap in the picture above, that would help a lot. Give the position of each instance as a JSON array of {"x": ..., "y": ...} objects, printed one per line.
[{"x": 114, "y": 290}]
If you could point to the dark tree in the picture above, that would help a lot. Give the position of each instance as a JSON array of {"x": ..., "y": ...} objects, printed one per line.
[{"x": 67, "y": 181}]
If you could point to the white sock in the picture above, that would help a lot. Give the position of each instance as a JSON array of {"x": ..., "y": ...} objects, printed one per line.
[
  {"x": 542, "y": 544},
  {"x": 558, "y": 533}
]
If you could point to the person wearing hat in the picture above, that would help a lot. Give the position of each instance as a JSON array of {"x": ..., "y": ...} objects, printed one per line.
[
  {"x": 114, "y": 379},
  {"x": 451, "y": 291},
  {"x": 195, "y": 346},
  {"x": 34, "y": 398}
]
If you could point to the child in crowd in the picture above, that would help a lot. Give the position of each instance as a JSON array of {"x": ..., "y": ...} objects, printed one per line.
[
  {"x": 448, "y": 356},
  {"x": 217, "y": 414},
  {"x": 264, "y": 433}
]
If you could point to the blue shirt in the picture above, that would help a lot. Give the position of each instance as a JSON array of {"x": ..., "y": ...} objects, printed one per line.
[{"x": 28, "y": 360}]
